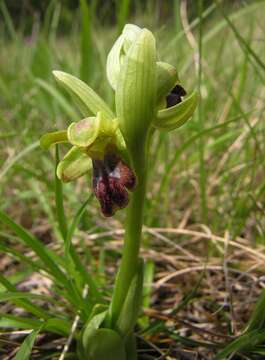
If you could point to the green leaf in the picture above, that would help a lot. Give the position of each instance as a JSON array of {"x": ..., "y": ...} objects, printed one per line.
[
  {"x": 257, "y": 319},
  {"x": 87, "y": 99},
  {"x": 93, "y": 325},
  {"x": 176, "y": 116},
  {"x": 9, "y": 321},
  {"x": 23, "y": 303},
  {"x": 26, "y": 347},
  {"x": 75, "y": 164},
  {"x": 136, "y": 90},
  {"x": 36, "y": 245},
  {"x": 167, "y": 77},
  {"x": 105, "y": 344},
  {"x": 57, "y": 326},
  {"x": 245, "y": 342},
  {"x": 131, "y": 307},
  {"x": 53, "y": 138}
]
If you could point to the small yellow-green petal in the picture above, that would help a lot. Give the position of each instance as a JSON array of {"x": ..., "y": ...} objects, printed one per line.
[
  {"x": 175, "y": 116},
  {"x": 75, "y": 164},
  {"x": 53, "y": 138},
  {"x": 82, "y": 133},
  {"x": 94, "y": 132}
]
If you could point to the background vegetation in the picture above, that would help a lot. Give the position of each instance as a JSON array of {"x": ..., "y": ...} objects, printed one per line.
[{"x": 204, "y": 227}]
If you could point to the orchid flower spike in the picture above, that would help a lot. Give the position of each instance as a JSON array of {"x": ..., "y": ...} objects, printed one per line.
[{"x": 148, "y": 95}]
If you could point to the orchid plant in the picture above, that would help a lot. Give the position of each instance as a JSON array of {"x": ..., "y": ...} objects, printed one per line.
[{"x": 148, "y": 97}]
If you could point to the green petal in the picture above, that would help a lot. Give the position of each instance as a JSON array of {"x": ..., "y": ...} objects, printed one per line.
[
  {"x": 88, "y": 100},
  {"x": 83, "y": 132},
  {"x": 53, "y": 138},
  {"x": 75, "y": 164},
  {"x": 94, "y": 133},
  {"x": 136, "y": 90},
  {"x": 167, "y": 77},
  {"x": 176, "y": 116}
]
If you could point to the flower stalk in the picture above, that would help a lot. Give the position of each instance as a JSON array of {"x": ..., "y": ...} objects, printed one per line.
[{"x": 132, "y": 239}]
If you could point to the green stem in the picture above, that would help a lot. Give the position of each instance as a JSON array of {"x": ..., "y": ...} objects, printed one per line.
[{"x": 132, "y": 240}]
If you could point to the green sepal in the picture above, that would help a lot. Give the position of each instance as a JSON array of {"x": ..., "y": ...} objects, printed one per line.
[
  {"x": 53, "y": 138},
  {"x": 105, "y": 344},
  {"x": 87, "y": 99},
  {"x": 176, "y": 116},
  {"x": 132, "y": 304},
  {"x": 136, "y": 90},
  {"x": 167, "y": 77},
  {"x": 74, "y": 164}
]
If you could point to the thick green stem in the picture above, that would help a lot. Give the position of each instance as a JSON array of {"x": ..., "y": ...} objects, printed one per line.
[{"x": 133, "y": 231}]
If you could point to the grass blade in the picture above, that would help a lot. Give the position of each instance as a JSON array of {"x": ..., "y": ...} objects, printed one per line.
[
  {"x": 8, "y": 20},
  {"x": 27, "y": 345},
  {"x": 59, "y": 198},
  {"x": 86, "y": 53},
  {"x": 24, "y": 303},
  {"x": 43, "y": 253},
  {"x": 123, "y": 8}
]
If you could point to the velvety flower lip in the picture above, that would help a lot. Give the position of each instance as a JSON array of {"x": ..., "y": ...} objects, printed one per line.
[
  {"x": 175, "y": 96},
  {"x": 111, "y": 180}
]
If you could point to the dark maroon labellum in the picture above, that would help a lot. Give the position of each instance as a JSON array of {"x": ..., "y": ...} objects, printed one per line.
[
  {"x": 175, "y": 96},
  {"x": 111, "y": 179}
]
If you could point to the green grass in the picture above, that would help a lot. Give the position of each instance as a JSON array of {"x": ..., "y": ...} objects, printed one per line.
[{"x": 212, "y": 168}]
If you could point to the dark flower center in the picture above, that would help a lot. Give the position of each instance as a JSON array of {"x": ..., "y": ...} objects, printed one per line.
[
  {"x": 175, "y": 96},
  {"x": 111, "y": 180}
]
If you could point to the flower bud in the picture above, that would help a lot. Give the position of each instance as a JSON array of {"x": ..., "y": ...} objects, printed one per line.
[
  {"x": 136, "y": 90},
  {"x": 118, "y": 52}
]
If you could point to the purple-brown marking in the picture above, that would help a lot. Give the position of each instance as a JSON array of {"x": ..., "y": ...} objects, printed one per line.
[
  {"x": 175, "y": 96},
  {"x": 111, "y": 179}
]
